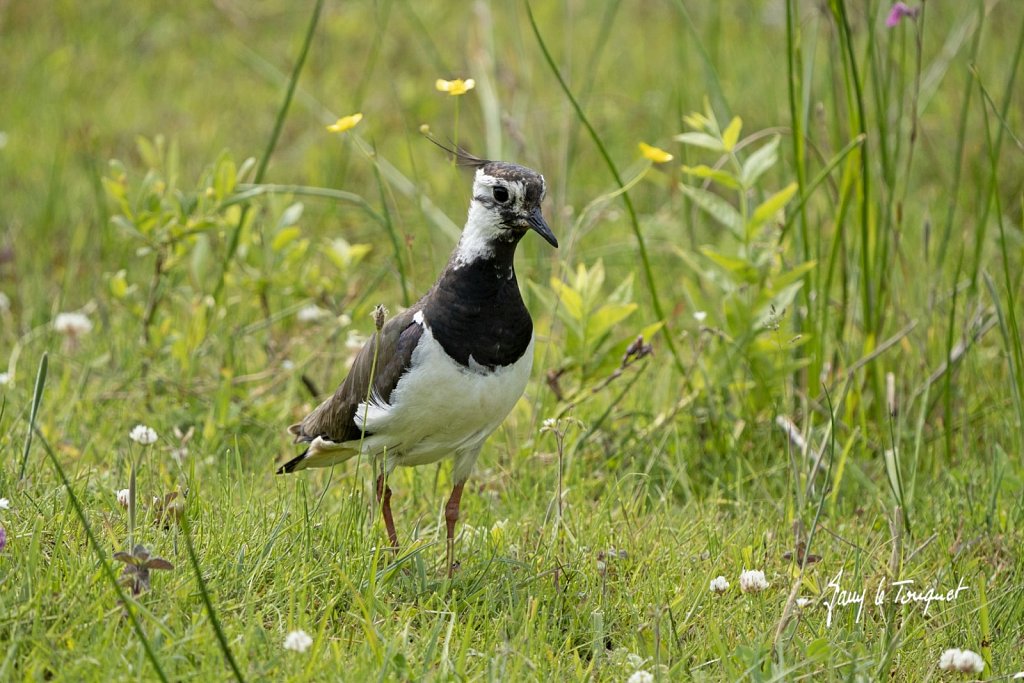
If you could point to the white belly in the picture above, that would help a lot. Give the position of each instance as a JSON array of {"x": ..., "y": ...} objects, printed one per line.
[{"x": 441, "y": 409}]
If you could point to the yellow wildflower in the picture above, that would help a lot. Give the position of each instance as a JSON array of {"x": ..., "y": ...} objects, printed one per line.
[
  {"x": 655, "y": 154},
  {"x": 456, "y": 87},
  {"x": 345, "y": 123}
]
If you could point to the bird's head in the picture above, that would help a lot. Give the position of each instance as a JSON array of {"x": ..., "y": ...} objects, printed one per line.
[{"x": 506, "y": 202}]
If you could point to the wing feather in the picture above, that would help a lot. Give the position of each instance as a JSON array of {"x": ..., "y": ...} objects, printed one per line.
[{"x": 334, "y": 418}]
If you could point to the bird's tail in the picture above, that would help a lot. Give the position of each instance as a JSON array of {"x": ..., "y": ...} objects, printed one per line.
[
  {"x": 321, "y": 453},
  {"x": 293, "y": 464}
]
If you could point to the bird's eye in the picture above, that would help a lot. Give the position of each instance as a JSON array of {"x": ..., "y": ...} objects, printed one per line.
[{"x": 500, "y": 194}]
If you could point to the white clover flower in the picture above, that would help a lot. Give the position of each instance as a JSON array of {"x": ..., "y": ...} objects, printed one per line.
[
  {"x": 700, "y": 316},
  {"x": 298, "y": 641},
  {"x": 964, "y": 661},
  {"x": 5, "y": 504},
  {"x": 752, "y": 581},
  {"x": 5, "y": 379},
  {"x": 635, "y": 660},
  {"x": 123, "y": 496},
  {"x": 803, "y": 602},
  {"x": 641, "y": 677},
  {"x": 310, "y": 314},
  {"x": 719, "y": 585},
  {"x": 143, "y": 435},
  {"x": 72, "y": 324}
]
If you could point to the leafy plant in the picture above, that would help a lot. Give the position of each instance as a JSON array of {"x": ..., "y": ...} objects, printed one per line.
[
  {"x": 745, "y": 284},
  {"x": 592, "y": 319},
  {"x": 137, "y": 563}
]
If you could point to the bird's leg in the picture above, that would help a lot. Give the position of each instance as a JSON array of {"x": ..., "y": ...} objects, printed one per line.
[
  {"x": 384, "y": 500},
  {"x": 451, "y": 515}
]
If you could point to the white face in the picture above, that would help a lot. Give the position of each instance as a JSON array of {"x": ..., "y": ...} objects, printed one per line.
[{"x": 498, "y": 212}]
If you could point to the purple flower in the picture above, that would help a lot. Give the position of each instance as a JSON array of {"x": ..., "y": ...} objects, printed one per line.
[
  {"x": 901, "y": 11},
  {"x": 3, "y": 537}
]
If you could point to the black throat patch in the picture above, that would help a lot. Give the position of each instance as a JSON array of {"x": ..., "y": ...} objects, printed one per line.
[{"x": 476, "y": 310}]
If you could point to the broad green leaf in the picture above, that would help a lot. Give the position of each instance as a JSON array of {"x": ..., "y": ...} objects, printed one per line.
[
  {"x": 607, "y": 317},
  {"x": 772, "y": 205},
  {"x": 570, "y": 298},
  {"x": 737, "y": 267},
  {"x": 716, "y": 207},
  {"x": 200, "y": 259},
  {"x": 780, "y": 300},
  {"x": 791, "y": 276},
  {"x": 126, "y": 224},
  {"x": 696, "y": 120},
  {"x": 623, "y": 293},
  {"x": 818, "y": 648},
  {"x": 719, "y": 176},
  {"x": 588, "y": 283},
  {"x": 649, "y": 331},
  {"x": 224, "y": 178},
  {"x": 285, "y": 237},
  {"x": 346, "y": 255},
  {"x": 119, "y": 284},
  {"x": 731, "y": 135},
  {"x": 700, "y": 140},
  {"x": 148, "y": 152},
  {"x": 759, "y": 162}
]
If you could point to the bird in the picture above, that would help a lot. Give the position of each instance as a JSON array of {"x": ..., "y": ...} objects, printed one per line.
[{"x": 436, "y": 380}]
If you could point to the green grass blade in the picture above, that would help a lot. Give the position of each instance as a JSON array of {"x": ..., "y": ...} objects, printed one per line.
[
  {"x": 222, "y": 640},
  {"x": 37, "y": 397},
  {"x": 108, "y": 571}
]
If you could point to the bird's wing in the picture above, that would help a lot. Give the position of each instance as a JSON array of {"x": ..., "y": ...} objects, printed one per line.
[{"x": 333, "y": 419}]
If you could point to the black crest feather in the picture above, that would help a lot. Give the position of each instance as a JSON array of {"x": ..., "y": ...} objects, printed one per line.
[{"x": 461, "y": 156}]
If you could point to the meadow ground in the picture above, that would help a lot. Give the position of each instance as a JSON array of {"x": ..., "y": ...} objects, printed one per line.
[{"x": 829, "y": 272}]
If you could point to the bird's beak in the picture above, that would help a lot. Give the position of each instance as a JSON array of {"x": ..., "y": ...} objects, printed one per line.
[{"x": 537, "y": 223}]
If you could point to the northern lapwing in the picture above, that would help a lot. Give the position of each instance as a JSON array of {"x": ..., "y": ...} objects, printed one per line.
[{"x": 449, "y": 369}]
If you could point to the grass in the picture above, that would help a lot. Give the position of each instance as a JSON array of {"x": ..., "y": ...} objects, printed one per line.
[{"x": 877, "y": 313}]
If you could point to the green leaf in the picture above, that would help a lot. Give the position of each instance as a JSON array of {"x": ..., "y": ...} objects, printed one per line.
[
  {"x": 224, "y": 178},
  {"x": 649, "y": 331},
  {"x": 697, "y": 121},
  {"x": 716, "y": 207},
  {"x": 791, "y": 276},
  {"x": 818, "y": 649},
  {"x": 741, "y": 270},
  {"x": 700, "y": 140},
  {"x": 607, "y": 317},
  {"x": 759, "y": 162},
  {"x": 570, "y": 298},
  {"x": 285, "y": 237},
  {"x": 772, "y": 205},
  {"x": 732, "y": 134},
  {"x": 719, "y": 176},
  {"x": 346, "y": 255},
  {"x": 623, "y": 293},
  {"x": 119, "y": 284}
]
